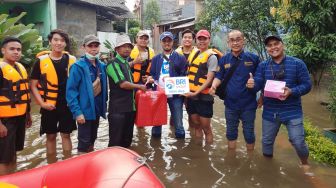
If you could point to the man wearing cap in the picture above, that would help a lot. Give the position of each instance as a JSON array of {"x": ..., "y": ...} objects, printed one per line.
[
  {"x": 240, "y": 103},
  {"x": 49, "y": 77},
  {"x": 122, "y": 91},
  {"x": 202, "y": 67},
  {"x": 86, "y": 93},
  {"x": 169, "y": 64},
  {"x": 288, "y": 109},
  {"x": 141, "y": 57}
]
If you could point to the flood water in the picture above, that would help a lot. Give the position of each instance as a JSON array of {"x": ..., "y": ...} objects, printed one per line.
[{"x": 189, "y": 163}]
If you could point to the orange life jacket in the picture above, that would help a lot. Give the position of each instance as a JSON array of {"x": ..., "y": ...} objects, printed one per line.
[
  {"x": 142, "y": 69},
  {"x": 48, "y": 82},
  {"x": 198, "y": 70},
  {"x": 14, "y": 95}
]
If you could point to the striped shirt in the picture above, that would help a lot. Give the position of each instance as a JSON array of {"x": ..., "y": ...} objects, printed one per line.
[{"x": 297, "y": 79}]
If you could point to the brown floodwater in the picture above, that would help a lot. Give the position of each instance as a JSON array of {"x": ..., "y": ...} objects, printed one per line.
[{"x": 190, "y": 163}]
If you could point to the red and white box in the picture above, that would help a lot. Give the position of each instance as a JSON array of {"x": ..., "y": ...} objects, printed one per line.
[{"x": 274, "y": 89}]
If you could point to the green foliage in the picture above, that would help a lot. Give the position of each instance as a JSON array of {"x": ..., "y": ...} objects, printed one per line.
[
  {"x": 133, "y": 32},
  {"x": 253, "y": 18},
  {"x": 108, "y": 56},
  {"x": 321, "y": 148},
  {"x": 30, "y": 38},
  {"x": 152, "y": 14},
  {"x": 311, "y": 27},
  {"x": 332, "y": 93}
]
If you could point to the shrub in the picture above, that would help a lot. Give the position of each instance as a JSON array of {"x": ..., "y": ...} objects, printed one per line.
[
  {"x": 321, "y": 149},
  {"x": 332, "y": 93}
]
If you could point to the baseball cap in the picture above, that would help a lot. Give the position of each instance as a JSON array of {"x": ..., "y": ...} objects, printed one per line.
[
  {"x": 88, "y": 39},
  {"x": 166, "y": 34},
  {"x": 123, "y": 39},
  {"x": 272, "y": 37},
  {"x": 203, "y": 33},
  {"x": 142, "y": 33}
]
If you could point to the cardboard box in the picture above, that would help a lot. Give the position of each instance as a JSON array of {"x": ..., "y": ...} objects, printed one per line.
[{"x": 274, "y": 89}]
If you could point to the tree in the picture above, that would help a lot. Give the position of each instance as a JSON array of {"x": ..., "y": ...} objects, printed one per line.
[
  {"x": 311, "y": 36},
  {"x": 151, "y": 14},
  {"x": 30, "y": 38},
  {"x": 253, "y": 18}
]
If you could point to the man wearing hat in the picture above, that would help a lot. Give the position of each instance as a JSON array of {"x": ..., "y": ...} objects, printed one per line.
[
  {"x": 169, "y": 64},
  {"x": 122, "y": 91},
  {"x": 202, "y": 68},
  {"x": 288, "y": 109},
  {"x": 240, "y": 103},
  {"x": 141, "y": 58},
  {"x": 48, "y": 85},
  {"x": 86, "y": 93}
]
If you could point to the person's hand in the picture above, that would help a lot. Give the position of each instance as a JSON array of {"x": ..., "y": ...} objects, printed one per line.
[
  {"x": 149, "y": 80},
  {"x": 212, "y": 90},
  {"x": 29, "y": 121},
  {"x": 3, "y": 130},
  {"x": 137, "y": 60},
  {"x": 142, "y": 87},
  {"x": 250, "y": 82},
  {"x": 287, "y": 92},
  {"x": 80, "y": 119},
  {"x": 47, "y": 106},
  {"x": 190, "y": 94}
]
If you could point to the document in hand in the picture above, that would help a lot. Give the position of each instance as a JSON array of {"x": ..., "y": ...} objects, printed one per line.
[{"x": 274, "y": 89}]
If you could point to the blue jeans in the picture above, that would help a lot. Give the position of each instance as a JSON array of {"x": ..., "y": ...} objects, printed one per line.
[
  {"x": 296, "y": 136},
  {"x": 232, "y": 122},
  {"x": 176, "y": 110}
]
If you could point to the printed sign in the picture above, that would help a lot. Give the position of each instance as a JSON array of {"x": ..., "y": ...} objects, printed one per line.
[{"x": 176, "y": 85}]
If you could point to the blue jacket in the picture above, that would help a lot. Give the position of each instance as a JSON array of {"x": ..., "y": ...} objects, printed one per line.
[
  {"x": 79, "y": 91},
  {"x": 296, "y": 78},
  {"x": 238, "y": 97},
  {"x": 180, "y": 65}
]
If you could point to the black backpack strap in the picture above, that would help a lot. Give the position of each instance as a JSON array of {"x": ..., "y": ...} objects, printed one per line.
[
  {"x": 221, "y": 90},
  {"x": 171, "y": 64}
]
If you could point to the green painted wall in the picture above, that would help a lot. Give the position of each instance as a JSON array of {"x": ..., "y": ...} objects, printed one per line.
[{"x": 37, "y": 13}]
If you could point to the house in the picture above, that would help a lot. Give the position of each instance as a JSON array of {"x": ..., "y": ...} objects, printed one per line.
[{"x": 77, "y": 17}]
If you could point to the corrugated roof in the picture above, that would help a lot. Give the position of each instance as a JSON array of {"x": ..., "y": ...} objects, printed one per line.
[{"x": 115, "y": 7}]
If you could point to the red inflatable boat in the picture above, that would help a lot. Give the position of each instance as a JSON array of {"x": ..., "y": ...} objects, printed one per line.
[{"x": 112, "y": 167}]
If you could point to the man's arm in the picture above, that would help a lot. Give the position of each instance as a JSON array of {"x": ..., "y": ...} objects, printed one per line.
[
  {"x": 114, "y": 71},
  {"x": 304, "y": 82},
  {"x": 219, "y": 76},
  {"x": 3, "y": 129},
  {"x": 72, "y": 93}
]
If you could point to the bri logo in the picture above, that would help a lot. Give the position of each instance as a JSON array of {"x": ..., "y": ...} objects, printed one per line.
[{"x": 170, "y": 84}]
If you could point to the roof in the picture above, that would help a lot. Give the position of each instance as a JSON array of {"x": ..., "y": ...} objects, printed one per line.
[
  {"x": 177, "y": 21},
  {"x": 188, "y": 24},
  {"x": 108, "y": 8}
]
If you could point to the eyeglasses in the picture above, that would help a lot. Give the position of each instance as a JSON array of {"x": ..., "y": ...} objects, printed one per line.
[{"x": 237, "y": 40}]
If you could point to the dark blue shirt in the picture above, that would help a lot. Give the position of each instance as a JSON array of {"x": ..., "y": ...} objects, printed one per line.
[
  {"x": 297, "y": 79},
  {"x": 238, "y": 97},
  {"x": 98, "y": 99}
]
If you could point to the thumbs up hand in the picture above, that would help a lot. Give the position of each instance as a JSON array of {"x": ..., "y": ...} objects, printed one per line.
[{"x": 250, "y": 82}]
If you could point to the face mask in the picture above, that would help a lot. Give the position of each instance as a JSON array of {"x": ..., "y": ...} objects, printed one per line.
[{"x": 91, "y": 57}]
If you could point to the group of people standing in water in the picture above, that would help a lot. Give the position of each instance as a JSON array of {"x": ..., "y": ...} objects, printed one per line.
[{"x": 73, "y": 93}]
